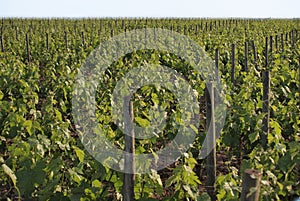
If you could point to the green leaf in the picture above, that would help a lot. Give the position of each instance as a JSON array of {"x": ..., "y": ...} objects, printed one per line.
[
  {"x": 96, "y": 183},
  {"x": 253, "y": 137},
  {"x": 142, "y": 122},
  {"x": 58, "y": 115},
  {"x": 75, "y": 176},
  {"x": 275, "y": 125},
  {"x": 10, "y": 173},
  {"x": 28, "y": 125},
  {"x": 189, "y": 191},
  {"x": 1, "y": 95},
  {"x": 155, "y": 177},
  {"x": 79, "y": 153}
]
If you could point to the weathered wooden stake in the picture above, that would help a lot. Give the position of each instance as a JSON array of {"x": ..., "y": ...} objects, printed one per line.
[
  {"x": 251, "y": 185},
  {"x": 292, "y": 38},
  {"x": 246, "y": 57},
  {"x": 211, "y": 132},
  {"x": 99, "y": 35},
  {"x": 66, "y": 40},
  {"x": 254, "y": 53},
  {"x": 2, "y": 43},
  {"x": 129, "y": 162},
  {"x": 211, "y": 158},
  {"x": 276, "y": 42},
  {"x": 123, "y": 24},
  {"x": 266, "y": 99},
  {"x": 111, "y": 33},
  {"x": 47, "y": 41},
  {"x": 83, "y": 39},
  {"x": 27, "y": 48},
  {"x": 17, "y": 33},
  {"x": 282, "y": 43},
  {"x": 271, "y": 44}
]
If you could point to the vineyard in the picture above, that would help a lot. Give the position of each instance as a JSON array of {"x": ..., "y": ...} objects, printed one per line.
[{"x": 42, "y": 153}]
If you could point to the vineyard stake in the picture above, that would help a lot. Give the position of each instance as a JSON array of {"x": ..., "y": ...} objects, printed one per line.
[
  {"x": 128, "y": 187},
  {"x": 210, "y": 124},
  {"x": 99, "y": 35},
  {"x": 271, "y": 44},
  {"x": 282, "y": 43},
  {"x": 17, "y": 35},
  {"x": 251, "y": 185},
  {"x": 66, "y": 40},
  {"x": 2, "y": 43},
  {"x": 246, "y": 57},
  {"x": 27, "y": 48},
  {"x": 47, "y": 41},
  {"x": 82, "y": 38},
  {"x": 276, "y": 42},
  {"x": 211, "y": 158},
  {"x": 292, "y": 38},
  {"x": 266, "y": 99}
]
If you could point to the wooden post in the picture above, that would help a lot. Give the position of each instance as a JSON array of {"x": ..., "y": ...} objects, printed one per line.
[
  {"x": 66, "y": 40},
  {"x": 83, "y": 39},
  {"x": 251, "y": 185},
  {"x": 266, "y": 99},
  {"x": 27, "y": 48},
  {"x": 211, "y": 158},
  {"x": 271, "y": 44},
  {"x": 232, "y": 63},
  {"x": 123, "y": 24},
  {"x": 129, "y": 162},
  {"x": 211, "y": 132},
  {"x": 2, "y": 43},
  {"x": 276, "y": 42},
  {"x": 111, "y": 33},
  {"x": 99, "y": 35},
  {"x": 282, "y": 43},
  {"x": 246, "y": 57},
  {"x": 2, "y": 25},
  {"x": 254, "y": 53},
  {"x": 217, "y": 61},
  {"x": 17, "y": 33},
  {"x": 125, "y": 33},
  {"x": 47, "y": 41}
]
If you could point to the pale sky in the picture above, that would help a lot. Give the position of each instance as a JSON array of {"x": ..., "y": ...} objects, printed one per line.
[{"x": 153, "y": 8}]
